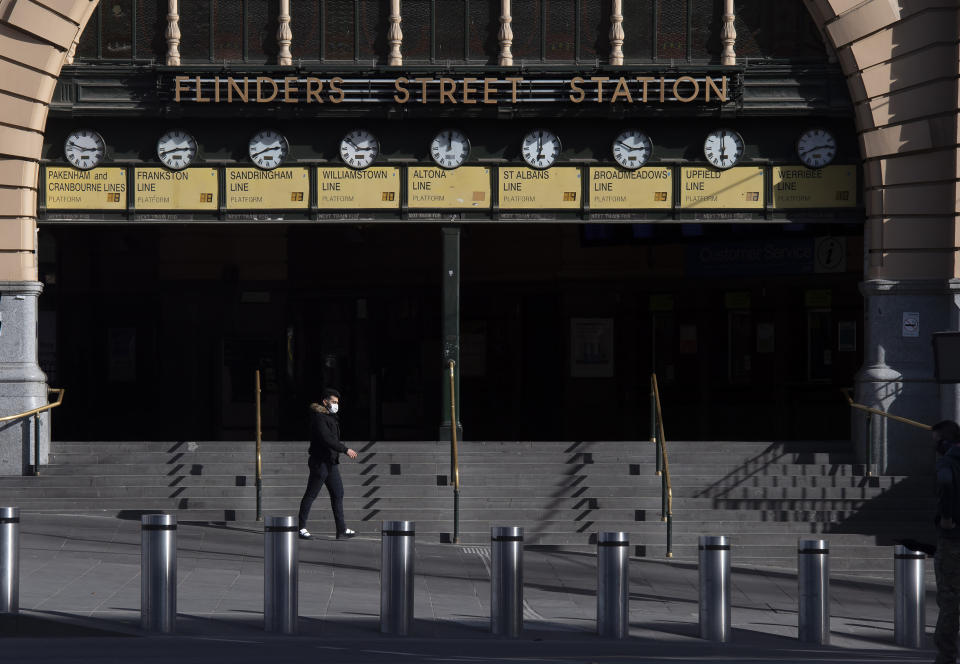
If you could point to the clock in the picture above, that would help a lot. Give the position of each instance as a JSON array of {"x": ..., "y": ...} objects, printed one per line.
[
  {"x": 540, "y": 148},
  {"x": 268, "y": 149},
  {"x": 816, "y": 147},
  {"x": 723, "y": 148},
  {"x": 84, "y": 148},
  {"x": 450, "y": 148},
  {"x": 359, "y": 148},
  {"x": 176, "y": 149},
  {"x": 632, "y": 148}
]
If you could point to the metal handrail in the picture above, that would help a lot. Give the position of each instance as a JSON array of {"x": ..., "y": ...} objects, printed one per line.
[
  {"x": 34, "y": 411},
  {"x": 259, "y": 443},
  {"x": 454, "y": 460},
  {"x": 36, "y": 434},
  {"x": 666, "y": 489},
  {"x": 868, "y": 429},
  {"x": 874, "y": 411}
]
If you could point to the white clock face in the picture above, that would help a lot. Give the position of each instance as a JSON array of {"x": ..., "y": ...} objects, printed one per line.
[
  {"x": 541, "y": 148},
  {"x": 632, "y": 149},
  {"x": 723, "y": 148},
  {"x": 268, "y": 149},
  {"x": 816, "y": 147},
  {"x": 84, "y": 148},
  {"x": 176, "y": 149},
  {"x": 450, "y": 148},
  {"x": 359, "y": 148}
]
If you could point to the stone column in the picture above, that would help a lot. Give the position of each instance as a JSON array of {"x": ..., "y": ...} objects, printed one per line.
[
  {"x": 898, "y": 373},
  {"x": 284, "y": 35},
  {"x": 23, "y": 386},
  {"x": 616, "y": 34},
  {"x": 173, "y": 33},
  {"x": 395, "y": 35},
  {"x": 506, "y": 34},
  {"x": 728, "y": 34}
]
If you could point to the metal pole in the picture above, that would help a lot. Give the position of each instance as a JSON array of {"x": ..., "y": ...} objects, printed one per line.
[
  {"x": 396, "y": 577},
  {"x": 613, "y": 585},
  {"x": 506, "y": 580},
  {"x": 9, "y": 560},
  {"x": 158, "y": 572},
  {"x": 36, "y": 445},
  {"x": 910, "y": 607},
  {"x": 280, "y": 561},
  {"x": 454, "y": 457},
  {"x": 868, "y": 452},
  {"x": 653, "y": 425},
  {"x": 714, "y": 588},
  {"x": 813, "y": 591},
  {"x": 259, "y": 464}
]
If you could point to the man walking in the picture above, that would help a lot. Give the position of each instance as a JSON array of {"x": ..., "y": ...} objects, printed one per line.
[
  {"x": 324, "y": 462},
  {"x": 946, "y": 561}
]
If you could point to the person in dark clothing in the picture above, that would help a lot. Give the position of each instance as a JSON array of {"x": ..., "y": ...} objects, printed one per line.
[
  {"x": 324, "y": 462},
  {"x": 946, "y": 561}
]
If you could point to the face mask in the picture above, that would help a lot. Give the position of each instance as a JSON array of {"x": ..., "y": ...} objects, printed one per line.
[{"x": 334, "y": 407}]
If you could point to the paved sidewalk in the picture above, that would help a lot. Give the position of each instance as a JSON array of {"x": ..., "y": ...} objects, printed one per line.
[{"x": 80, "y": 577}]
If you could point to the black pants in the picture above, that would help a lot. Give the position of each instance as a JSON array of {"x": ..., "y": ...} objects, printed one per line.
[{"x": 324, "y": 474}]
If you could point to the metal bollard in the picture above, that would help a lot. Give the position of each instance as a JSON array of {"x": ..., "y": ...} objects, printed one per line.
[
  {"x": 613, "y": 585},
  {"x": 396, "y": 577},
  {"x": 9, "y": 560},
  {"x": 813, "y": 591},
  {"x": 910, "y": 601},
  {"x": 714, "y": 588},
  {"x": 280, "y": 561},
  {"x": 506, "y": 580},
  {"x": 158, "y": 572}
]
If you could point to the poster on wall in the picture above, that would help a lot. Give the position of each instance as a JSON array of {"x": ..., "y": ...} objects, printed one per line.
[{"x": 591, "y": 347}]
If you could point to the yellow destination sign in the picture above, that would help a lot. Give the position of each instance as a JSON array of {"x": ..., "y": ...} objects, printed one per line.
[
  {"x": 162, "y": 189},
  {"x": 69, "y": 188},
  {"x": 550, "y": 189},
  {"x": 377, "y": 187},
  {"x": 738, "y": 188},
  {"x": 619, "y": 189},
  {"x": 279, "y": 189},
  {"x": 802, "y": 187},
  {"x": 435, "y": 187}
]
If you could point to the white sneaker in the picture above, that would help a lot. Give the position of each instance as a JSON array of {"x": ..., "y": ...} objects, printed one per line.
[
  {"x": 305, "y": 534},
  {"x": 346, "y": 534}
]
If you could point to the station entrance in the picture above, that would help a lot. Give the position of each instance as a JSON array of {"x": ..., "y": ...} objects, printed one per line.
[{"x": 158, "y": 330}]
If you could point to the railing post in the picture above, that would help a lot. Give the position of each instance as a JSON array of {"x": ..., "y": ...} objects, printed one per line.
[
  {"x": 506, "y": 581},
  {"x": 714, "y": 588},
  {"x": 910, "y": 594},
  {"x": 9, "y": 560},
  {"x": 280, "y": 560},
  {"x": 396, "y": 576},
  {"x": 868, "y": 451},
  {"x": 813, "y": 581},
  {"x": 259, "y": 464},
  {"x": 158, "y": 573},
  {"x": 36, "y": 445}
]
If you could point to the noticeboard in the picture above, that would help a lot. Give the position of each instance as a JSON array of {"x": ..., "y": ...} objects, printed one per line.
[
  {"x": 163, "y": 189},
  {"x": 802, "y": 187},
  {"x": 524, "y": 188},
  {"x": 467, "y": 187},
  {"x": 612, "y": 188},
  {"x": 374, "y": 188},
  {"x": 279, "y": 189},
  {"x": 69, "y": 188},
  {"x": 738, "y": 188}
]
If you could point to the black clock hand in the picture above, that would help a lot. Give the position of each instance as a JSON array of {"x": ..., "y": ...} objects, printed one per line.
[
  {"x": 818, "y": 147},
  {"x": 166, "y": 152},
  {"x": 257, "y": 154}
]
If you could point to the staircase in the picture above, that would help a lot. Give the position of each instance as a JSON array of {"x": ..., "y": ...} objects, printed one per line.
[{"x": 763, "y": 495}]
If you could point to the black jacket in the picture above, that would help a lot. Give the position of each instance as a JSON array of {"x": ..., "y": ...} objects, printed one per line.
[
  {"x": 325, "y": 445},
  {"x": 948, "y": 491}
]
